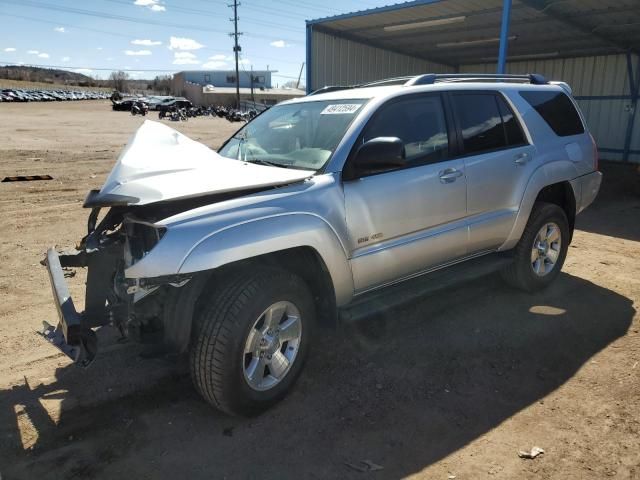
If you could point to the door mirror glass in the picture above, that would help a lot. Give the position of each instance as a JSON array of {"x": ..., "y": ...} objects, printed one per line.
[{"x": 378, "y": 155}]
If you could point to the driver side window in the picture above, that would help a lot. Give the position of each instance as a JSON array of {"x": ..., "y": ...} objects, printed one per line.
[{"x": 419, "y": 122}]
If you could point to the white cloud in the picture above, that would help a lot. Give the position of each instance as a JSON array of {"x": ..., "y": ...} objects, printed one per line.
[
  {"x": 59, "y": 29},
  {"x": 146, "y": 43},
  {"x": 98, "y": 48},
  {"x": 214, "y": 64},
  {"x": 33, "y": 52},
  {"x": 83, "y": 70},
  {"x": 110, "y": 59},
  {"x": 244, "y": 61},
  {"x": 136, "y": 53},
  {"x": 153, "y": 5},
  {"x": 9, "y": 49},
  {"x": 185, "y": 58},
  {"x": 181, "y": 43},
  {"x": 219, "y": 57},
  {"x": 65, "y": 59},
  {"x": 43, "y": 55},
  {"x": 279, "y": 44}
]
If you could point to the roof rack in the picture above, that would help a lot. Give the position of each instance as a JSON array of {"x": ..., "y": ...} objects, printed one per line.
[{"x": 431, "y": 78}]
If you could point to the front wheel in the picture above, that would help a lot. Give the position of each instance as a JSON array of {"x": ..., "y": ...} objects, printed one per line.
[
  {"x": 251, "y": 340},
  {"x": 542, "y": 249}
]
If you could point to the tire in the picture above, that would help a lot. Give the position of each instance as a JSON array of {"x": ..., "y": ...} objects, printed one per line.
[
  {"x": 221, "y": 368},
  {"x": 534, "y": 270}
]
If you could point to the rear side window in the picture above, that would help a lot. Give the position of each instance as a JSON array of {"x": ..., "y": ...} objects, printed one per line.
[
  {"x": 480, "y": 122},
  {"x": 557, "y": 110},
  {"x": 512, "y": 128}
]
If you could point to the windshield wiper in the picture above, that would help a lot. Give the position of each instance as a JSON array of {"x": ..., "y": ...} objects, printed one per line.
[{"x": 259, "y": 161}]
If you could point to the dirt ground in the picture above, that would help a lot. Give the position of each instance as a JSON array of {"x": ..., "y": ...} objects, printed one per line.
[{"x": 453, "y": 385}]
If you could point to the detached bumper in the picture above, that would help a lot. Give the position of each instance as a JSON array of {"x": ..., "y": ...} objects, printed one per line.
[{"x": 71, "y": 336}]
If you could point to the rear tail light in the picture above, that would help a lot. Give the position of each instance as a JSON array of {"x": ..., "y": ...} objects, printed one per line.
[{"x": 596, "y": 158}]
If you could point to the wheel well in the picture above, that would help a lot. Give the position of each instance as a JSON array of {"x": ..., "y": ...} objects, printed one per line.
[
  {"x": 561, "y": 194},
  {"x": 181, "y": 306},
  {"x": 305, "y": 262}
]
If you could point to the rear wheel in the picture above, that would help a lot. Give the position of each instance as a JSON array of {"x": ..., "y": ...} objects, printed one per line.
[
  {"x": 542, "y": 249},
  {"x": 251, "y": 341}
]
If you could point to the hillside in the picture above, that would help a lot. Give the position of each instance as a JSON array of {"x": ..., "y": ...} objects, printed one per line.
[{"x": 45, "y": 75}]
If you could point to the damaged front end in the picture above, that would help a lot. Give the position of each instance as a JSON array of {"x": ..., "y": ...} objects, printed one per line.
[
  {"x": 159, "y": 174},
  {"x": 119, "y": 240}
]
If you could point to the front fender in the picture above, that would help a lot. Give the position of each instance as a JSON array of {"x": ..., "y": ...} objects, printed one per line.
[
  {"x": 272, "y": 234},
  {"x": 547, "y": 174}
]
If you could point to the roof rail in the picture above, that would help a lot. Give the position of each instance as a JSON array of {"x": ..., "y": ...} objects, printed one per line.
[
  {"x": 330, "y": 88},
  {"x": 387, "y": 81},
  {"x": 431, "y": 78}
]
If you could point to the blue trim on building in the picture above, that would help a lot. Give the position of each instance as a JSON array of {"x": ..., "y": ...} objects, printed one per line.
[
  {"x": 617, "y": 150},
  {"x": 603, "y": 97},
  {"x": 504, "y": 36},
  {"x": 371, "y": 11}
]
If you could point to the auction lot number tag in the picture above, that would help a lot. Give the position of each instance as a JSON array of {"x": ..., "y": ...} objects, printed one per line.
[{"x": 340, "y": 109}]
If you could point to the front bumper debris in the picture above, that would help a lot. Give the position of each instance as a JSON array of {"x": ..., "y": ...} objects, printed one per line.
[{"x": 71, "y": 336}]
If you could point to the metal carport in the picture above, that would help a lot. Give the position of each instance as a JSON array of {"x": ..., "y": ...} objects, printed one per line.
[{"x": 591, "y": 44}]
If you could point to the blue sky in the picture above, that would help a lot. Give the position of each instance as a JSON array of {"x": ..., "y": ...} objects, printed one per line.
[{"x": 97, "y": 36}]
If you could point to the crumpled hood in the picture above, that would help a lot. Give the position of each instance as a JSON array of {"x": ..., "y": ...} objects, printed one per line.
[{"x": 161, "y": 164}]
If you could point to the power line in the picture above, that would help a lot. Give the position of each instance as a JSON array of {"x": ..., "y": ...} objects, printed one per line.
[
  {"x": 104, "y": 15},
  {"x": 128, "y": 37},
  {"x": 205, "y": 13},
  {"x": 106, "y": 69},
  {"x": 99, "y": 69}
]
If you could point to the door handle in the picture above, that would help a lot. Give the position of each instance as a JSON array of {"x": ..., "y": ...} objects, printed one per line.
[
  {"x": 449, "y": 175},
  {"x": 521, "y": 158}
]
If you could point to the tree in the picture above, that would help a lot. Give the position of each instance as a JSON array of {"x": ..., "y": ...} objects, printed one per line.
[
  {"x": 162, "y": 84},
  {"x": 119, "y": 80},
  {"x": 293, "y": 84}
]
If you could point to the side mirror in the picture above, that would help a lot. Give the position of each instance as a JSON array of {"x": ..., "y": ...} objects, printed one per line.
[{"x": 377, "y": 155}]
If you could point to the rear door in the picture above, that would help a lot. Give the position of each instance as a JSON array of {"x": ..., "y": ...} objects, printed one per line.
[
  {"x": 498, "y": 160},
  {"x": 404, "y": 221}
]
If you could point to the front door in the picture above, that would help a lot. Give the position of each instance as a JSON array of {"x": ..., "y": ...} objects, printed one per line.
[{"x": 405, "y": 221}]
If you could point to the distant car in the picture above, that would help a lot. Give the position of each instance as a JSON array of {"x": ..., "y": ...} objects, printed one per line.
[
  {"x": 123, "y": 105},
  {"x": 175, "y": 103}
]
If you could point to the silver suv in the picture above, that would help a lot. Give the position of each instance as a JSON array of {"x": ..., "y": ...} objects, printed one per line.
[{"x": 315, "y": 208}]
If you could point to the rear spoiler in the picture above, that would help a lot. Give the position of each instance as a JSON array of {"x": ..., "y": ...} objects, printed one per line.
[{"x": 565, "y": 86}]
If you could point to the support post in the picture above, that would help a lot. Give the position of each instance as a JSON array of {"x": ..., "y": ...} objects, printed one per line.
[
  {"x": 504, "y": 36},
  {"x": 634, "y": 88},
  {"x": 308, "y": 57}
]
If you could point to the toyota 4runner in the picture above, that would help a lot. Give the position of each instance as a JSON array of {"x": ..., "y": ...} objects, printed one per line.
[{"x": 315, "y": 207}]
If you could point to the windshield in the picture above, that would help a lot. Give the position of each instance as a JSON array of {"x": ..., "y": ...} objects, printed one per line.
[{"x": 299, "y": 135}]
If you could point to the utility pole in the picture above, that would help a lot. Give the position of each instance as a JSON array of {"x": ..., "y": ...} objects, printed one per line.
[
  {"x": 300, "y": 76},
  {"x": 252, "y": 98},
  {"x": 236, "y": 48}
]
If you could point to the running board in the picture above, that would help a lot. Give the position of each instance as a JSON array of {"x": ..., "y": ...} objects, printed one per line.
[{"x": 415, "y": 288}]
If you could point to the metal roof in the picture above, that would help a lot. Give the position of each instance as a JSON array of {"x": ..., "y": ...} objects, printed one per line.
[{"x": 455, "y": 32}]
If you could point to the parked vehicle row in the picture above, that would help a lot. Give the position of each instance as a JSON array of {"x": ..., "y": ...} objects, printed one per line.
[
  {"x": 178, "y": 108},
  {"x": 24, "y": 95}
]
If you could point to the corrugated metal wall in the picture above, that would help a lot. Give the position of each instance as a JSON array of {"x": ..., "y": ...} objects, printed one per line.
[
  {"x": 338, "y": 61},
  {"x": 593, "y": 81}
]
